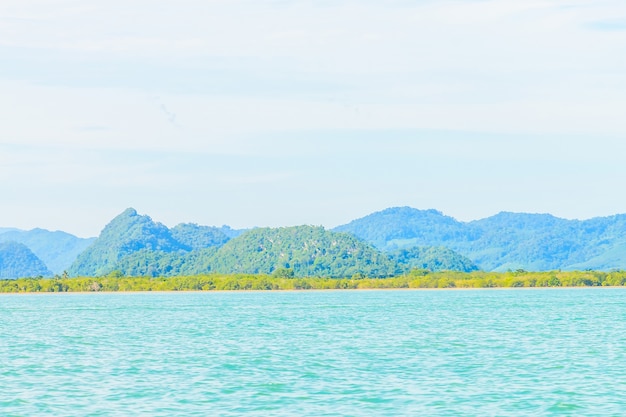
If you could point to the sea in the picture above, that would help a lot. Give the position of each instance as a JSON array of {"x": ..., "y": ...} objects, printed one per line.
[{"x": 522, "y": 352}]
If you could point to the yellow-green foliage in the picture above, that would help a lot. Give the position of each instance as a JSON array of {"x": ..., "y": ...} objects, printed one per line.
[{"x": 223, "y": 282}]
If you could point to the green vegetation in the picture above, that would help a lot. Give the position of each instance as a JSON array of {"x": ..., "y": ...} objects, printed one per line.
[
  {"x": 433, "y": 259},
  {"x": 405, "y": 227},
  {"x": 278, "y": 281},
  {"x": 387, "y": 243},
  {"x": 506, "y": 241},
  {"x": 16, "y": 260},
  {"x": 134, "y": 245},
  {"x": 163, "y": 264},
  {"x": 297, "y": 251},
  {"x": 194, "y": 236},
  {"x": 306, "y": 250},
  {"x": 127, "y": 233},
  {"x": 56, "y": 249}
]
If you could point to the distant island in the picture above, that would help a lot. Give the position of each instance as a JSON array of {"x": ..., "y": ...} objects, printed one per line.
[{"x": 394, "y": 242}]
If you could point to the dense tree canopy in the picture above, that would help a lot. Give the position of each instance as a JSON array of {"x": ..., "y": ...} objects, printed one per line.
[
  {"x": 17, "y": 261},
  {"x": 505, "y": 241},
  {"x": 307, "y": 250},
  {"x": 401, "y": 238},
  {"x": 232, "y": 282},
  {"x": 433, "y": 259},
  {"x": 134, "y": 245},
  {"x": 194, "y": 236},
  {"x": 57, "y": 250}
]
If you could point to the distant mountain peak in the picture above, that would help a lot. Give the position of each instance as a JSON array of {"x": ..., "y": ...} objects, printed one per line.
[
  {"x": 397, "y": 227},
  {"x": 521, "y": 214},
  {"x": 129, "y": 212},
  {"x": 17, "y": 261},
  {"x": 128, "y": 232},
  {"x": 56, "y": 249},
  {"x": 407, "y": 209}
]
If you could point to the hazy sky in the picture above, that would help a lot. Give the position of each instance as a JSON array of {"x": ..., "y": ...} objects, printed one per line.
[{"x": 276, "y": 113}]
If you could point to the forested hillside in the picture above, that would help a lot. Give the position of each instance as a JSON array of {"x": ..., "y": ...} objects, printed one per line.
[
  {"x": 57, "y": 250},
  {"x": 125, "y": 234},
  {"x": 405, "y": 227},
  {"x": 135, "y": 245},
  {"x": 302, "y": 250},
  {"x": 17, "y": 261},
  {"x": 193, "y": 236},
  {"x": 401, "y": 239},
  {"x": 506, "y": 241},
  {"x": 432, "y": 258}
]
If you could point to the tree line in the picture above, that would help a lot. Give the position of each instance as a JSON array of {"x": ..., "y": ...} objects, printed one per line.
[{"x": 417, "y": 278}]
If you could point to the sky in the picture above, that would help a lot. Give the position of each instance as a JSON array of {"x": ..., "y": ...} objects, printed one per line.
[{"x": 280, "y": 113}]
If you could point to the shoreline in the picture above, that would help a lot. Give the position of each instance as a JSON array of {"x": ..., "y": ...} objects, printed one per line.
[
  {"x": 448, "y": 280},
  {"x": 318, "y": 290}
]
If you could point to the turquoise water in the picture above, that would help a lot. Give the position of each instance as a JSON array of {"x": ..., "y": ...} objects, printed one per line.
[{"x": 336, "y": 353}]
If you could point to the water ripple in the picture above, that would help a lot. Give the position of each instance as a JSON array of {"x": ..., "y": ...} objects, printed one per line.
[{"x": 351, "y": 353}]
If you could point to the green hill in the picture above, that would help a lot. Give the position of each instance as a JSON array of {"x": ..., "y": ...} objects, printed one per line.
[
  {"x": 194, "y": 236},
  {"x": 232, "y": 233},
  {"x": 166, "y": 264},
  {"x": 405, "y": 227},
  {"x": 125, "y": 234},
  {"x": 432, "y": 258},
  {"x": 133, "y": 244},
  {"x": 17, "y": 261},
  {"x": 58, "y": 250},
  {"x": 505, "y": 241},
  {"x": 294, "y": 251},
  {"x": 305, "y": 250}
]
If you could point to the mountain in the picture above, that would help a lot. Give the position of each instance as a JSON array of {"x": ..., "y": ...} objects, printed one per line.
[
  {"x": 514, "y": 241},
  {"x": 232, "y": 233},
  {"x": 432, "y": 258},
  {"x": 56, "y": 249},
  {"x": 299, "y": 251},
  {"x": 404, "y": 227},
  {"x": 17, "y": 261},
  {"x": 401, "y": 238},
  {"x": 306, "y": 250},
  {"x": 505, "y": 241},
  {"x": 134, "y": 244},
  {"x": 151, "y": 263},
  {"x": 127, "y": 233},
  {"x": 194, "y": 236}
]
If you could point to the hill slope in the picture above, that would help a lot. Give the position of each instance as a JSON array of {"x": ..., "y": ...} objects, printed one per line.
[
  {"x": 127, "y": 233},
  {"x": 134, "y": 244},
  {"x": 194, "y": 236},
  {"x": 58, "y": 250},
  {"x": 405, "y": 227},
  {"x": 432, "y": 258},
  {"x": 504, "y": 241},
  {"x": 17, "y": 261},
  {"x": 299, "y": 251},
  {"x": 307, "y": 250}
]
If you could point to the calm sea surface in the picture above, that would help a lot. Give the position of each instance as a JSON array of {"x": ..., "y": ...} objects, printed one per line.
[{"x": 336, "y": 353}]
